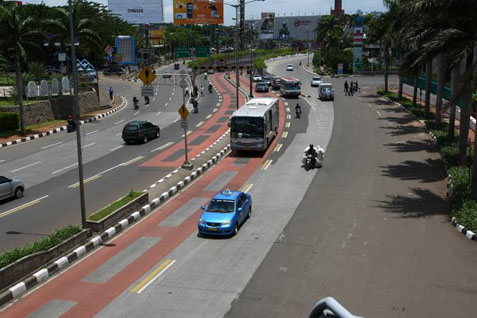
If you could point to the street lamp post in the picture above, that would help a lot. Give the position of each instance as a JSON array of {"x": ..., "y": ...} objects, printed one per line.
[
  {"x": 251, "y": 58},
  {"x": 77, "y": 116}
]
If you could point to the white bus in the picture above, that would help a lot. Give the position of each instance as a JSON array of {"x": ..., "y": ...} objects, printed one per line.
[
  {"x": 254, "y": 125},
  {"x": 290, "y": 86}
]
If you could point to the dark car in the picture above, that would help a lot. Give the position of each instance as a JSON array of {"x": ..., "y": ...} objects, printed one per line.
[
  {"x": 261, "y": 87},
  {"x": 267, "y": 79},
  {"x": 276, "y": 82},
  {"x": 140, "y": 131},
  {"x": 115, "y": 70}
]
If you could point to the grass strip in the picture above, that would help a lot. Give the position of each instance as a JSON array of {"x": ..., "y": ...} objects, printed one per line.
[
  {"x": 29, "y": 129},
  {"x": 463, "y": 206},
  {"x": 55, "y": 238},
  {"x": 114, "y": 206}
]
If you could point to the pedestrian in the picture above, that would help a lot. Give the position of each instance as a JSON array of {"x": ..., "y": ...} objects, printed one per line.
[
  {"x": 346, "y": 88},
  {"x": 356, "y": 87},
  {"x": 202, "y": 91},
  {"x": 351, "y": 88},
  {"x": 186, "y": 92},
  {"x": 196, "y": 91},
  {"x": 111, "y": 93}
]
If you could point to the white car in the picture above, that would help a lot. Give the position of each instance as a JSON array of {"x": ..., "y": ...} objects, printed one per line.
[
  {"x": 10, "y": 188},
  {"x": 290, "y": 67},
  {"x": 316, "y": 81},
  {"x": 256, "y": 78}
]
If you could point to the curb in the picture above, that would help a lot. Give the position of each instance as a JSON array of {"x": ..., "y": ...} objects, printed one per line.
[
  {"x": 43, "y": 274},
  {"x": 63, "y": 128},
  {"x": 462, "y": 229}
]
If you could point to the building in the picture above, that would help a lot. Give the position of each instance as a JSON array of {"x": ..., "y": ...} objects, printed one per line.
[
  {"x": 139, "y": 11},
  {"x": 338, "y": 10}
]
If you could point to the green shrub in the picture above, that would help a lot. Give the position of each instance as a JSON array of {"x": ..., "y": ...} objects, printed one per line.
[
  {"x": 43, "y": 244},
  {"x": 114, "y": 206},
  {"x": 467, "y": 214},
  {"x": 8, "y": 121}
]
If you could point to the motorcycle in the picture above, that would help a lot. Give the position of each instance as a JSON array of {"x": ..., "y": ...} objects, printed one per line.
[
  {"x": 71, "y": 126},
  {"x": 146, "y": 99},
  {"x": 210, "y": 88},
  {"x": 195, "y": 106},
  {"x": 308, "y": 162},
  {"x": 136, "y": 103},
  {"x": 298, "y": 112}
]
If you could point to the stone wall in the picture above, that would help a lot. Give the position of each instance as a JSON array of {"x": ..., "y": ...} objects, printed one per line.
[{"x": 56, "y": 108}]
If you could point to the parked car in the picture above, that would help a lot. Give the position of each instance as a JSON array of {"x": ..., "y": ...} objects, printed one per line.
[
  {"x": 140, "y": 131},
  {"x": 289, "y": 67},
  {"x": 11, "y": 188},
  {"x": 114, "y": 70},
  {"x": 267, "y": 80},
  {"x": 261, "y": 87},
  {"x": 167, "y": 74},
  {"x": 316, "y": 81},
  {"x": 210, "y": 71},
  {"x": 256, "y": 78},
  {"x": 225, "y": 213},
  {"x": 326, "y": 91},
  {"x": 276, "y": 82}
]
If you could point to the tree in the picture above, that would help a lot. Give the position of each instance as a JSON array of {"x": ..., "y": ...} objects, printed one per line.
[{"x": 19, "y": 34}]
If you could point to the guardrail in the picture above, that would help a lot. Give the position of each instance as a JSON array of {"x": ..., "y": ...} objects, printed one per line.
[{"x": 326, "y": 305}]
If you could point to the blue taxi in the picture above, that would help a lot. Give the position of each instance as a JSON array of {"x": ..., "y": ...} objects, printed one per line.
[{"x": 225, "y": 213}]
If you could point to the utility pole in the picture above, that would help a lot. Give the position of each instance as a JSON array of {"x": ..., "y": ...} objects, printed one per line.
[
  {"x": 251, "y": 58},
  {"x": 242, "y": 24},
  {"x": 77, "y": 116},
  {"x": 237, "y": 82}
]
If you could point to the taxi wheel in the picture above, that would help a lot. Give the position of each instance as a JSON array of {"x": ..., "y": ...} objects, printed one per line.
[
  {"x": 235, "y": 228},
  {"x": 249, "y": 213}
]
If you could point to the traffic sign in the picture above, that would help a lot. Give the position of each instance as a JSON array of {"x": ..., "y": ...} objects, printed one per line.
[
  {"x": 147, "y": 75},
  {"x": 108, "y": 49},
  {"x": 147, "y": 91},
  {"x": 183, "y": 111},
  {"x": 184, "y": 123},
  {"x": 183, "y": 84},
  {"x": 182, "y": 51},
  {"x": 202, "y": 51}
]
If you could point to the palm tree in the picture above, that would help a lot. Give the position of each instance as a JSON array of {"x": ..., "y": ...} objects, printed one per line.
[{"x": 19, "y": 34}]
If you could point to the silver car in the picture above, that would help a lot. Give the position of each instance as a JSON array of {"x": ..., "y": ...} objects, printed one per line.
[{"x": 11, "y": 188}]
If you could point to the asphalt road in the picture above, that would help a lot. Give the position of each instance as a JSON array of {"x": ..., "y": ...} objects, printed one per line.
[
  {"x": 373, "y": 228},
  {"x": 48, "y": 166}
]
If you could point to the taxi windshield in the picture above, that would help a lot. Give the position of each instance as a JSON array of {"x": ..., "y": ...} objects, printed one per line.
[{"x": 221, "y": 206}]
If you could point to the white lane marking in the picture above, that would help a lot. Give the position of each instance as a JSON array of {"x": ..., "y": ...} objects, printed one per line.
[
  {"x": 148, "y": 105},
  {"x": 89, "y": 145},
  {"x": 175, "y": 121},
  {"x": 127, "y": 163},
  {"x": 214, "y": 110},
  {"x": 158, "y": 113},
  {"x": 156, "y": 277},
  {"x": 18, "y": 208},
  {"x": 188, "y": 133},
  {"x": 267, "y": 164},
  {"x": 116, "y": 148},
  {"x": 170, "y": 143},
  {"x": 199, "y": 124},
  {"x": 91, "y": 132},
  {"x": 170, "y": 98},
  {"x": 74, "y": 164},
  {"x": 208, "y": 116},
  {"x": 2, "y": 160},
  {"x": 49, "y": 146},
  {"x": 166, "y": 104},
  {"x": 378, "y": 112},
  {"x": 118, "y": 122},
  {"x": 28, "y": 166},
  {"x": 85, "y": 181},
  {"x": 118, "y": 134},
  {"x": 136, "y": 113}
]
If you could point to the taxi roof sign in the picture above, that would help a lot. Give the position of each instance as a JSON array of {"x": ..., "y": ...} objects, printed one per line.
[
  {"x": 183, "y": 111},
  {"x": 147, "y": 76}
]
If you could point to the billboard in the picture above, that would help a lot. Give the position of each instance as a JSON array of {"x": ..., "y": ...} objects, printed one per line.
[
  {"x": 296, "y": 28},
  {"x": 126, "y": 49},
  {"x": 138, "y": 11},
  {"x": 267, "y": 25},
  {"x": 156, "y": 36},
  {"x": 198, "y": 11}
]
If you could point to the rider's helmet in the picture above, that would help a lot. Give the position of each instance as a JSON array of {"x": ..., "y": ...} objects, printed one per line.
[{"x": 311, "y": 146}]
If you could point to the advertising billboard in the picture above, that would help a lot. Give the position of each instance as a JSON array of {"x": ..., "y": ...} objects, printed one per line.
[
  {"x": 198, "y": 11},
  {"x": 138, "y": 11},
  {"x": 267, "y": 25},
  {"x": 156, "y": 36},
  {"x": 126, "y": 49},
  {"x": 296, "y": 28}
]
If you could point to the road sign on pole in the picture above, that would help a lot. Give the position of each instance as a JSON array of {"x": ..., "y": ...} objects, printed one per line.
[
  {"x": 182, "y": 51},
  {"x": 147, "y": 91},
  {"x": 147, "y": 76},
  {"x": 183, "y": 112},
  {"x": 202, "y": 51},
  {"x": 184, "y": 123}
]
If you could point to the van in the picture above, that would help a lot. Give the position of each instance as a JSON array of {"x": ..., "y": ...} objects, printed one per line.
[{"x": 326, "y": 91}]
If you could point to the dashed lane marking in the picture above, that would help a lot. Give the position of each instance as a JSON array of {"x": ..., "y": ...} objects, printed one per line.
[
  {"x": 199, "y": 124},
  {"x": 118, "y": 122},
  {"x": 27, "y": 166},
  {"x": 287, "y": 125},
  {"x": 91, "y": 132},
  {"x": 59, "y": 170},
  {"x": 23, "y": 206},
  {"x": 267, "y": 164},
  {"x": 188, "y": 133},
  {"x": 170, "y": 143},
  {"x": 116, "y": 148},
  {"x": 285, "y": 134},
  {"x": 208, "y": 116},
  {"x": 287, "y": 109},
  {"x": 288, "y": 116},
  {"x": 246, "y": 188},
  {"x": 85, "y": 181},
  {"x": 46, "y": 147},
  {"x": 136, "y": 113},
  {"x": 278, "y": 147}
]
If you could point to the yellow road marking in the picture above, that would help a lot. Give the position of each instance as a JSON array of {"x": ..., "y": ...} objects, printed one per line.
[
  {"x": 287, "y": 124},
  {"x": 21, "y": 207},
  {"x": 152, "y": 276},
  {"x": 285, "y": 134},
  {"x": 85, "y": 181},
  {"x": 132, "y": 161},
  {"x": 278, "y": 147},
  {"x": 287, "y": 109},
  {"x": 247, "y": 187},
  {"x": 266, "y": 164}
]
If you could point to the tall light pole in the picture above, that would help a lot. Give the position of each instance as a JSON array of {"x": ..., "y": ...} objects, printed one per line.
[
  {"x": 77, "y": 116},
  {"x": 241, "y": 6},
  {"x": 252, "y": 28}
]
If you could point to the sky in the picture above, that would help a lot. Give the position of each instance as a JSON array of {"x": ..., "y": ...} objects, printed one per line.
[{"x": 280, "y": 7}]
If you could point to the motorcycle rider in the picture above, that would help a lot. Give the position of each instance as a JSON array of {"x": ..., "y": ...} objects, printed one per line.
[
  {"x": 71, "y": 123},
  {"x": 146, "y": 99},
  {"x": 195, "y": 105},
  {"x": 210, "y": 88},
  {"x": 135, "y": 102},
  {"x": 298, "y": 110},
  {"x": 317, "y": 155}
]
